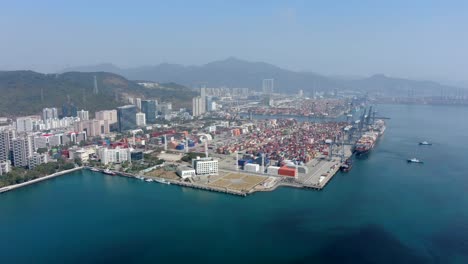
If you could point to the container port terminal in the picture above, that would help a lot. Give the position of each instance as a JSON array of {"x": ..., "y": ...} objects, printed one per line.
[{"x": 264, "y": 154}]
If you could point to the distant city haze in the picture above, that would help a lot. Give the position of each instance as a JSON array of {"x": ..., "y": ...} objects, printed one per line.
[{"x": 409, "y": 39}]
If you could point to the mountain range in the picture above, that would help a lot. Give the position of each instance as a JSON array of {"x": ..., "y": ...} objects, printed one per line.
[{"x": 233, "y": 72}]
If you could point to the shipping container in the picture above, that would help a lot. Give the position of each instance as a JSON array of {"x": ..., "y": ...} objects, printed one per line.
[
  {"x": 252, "y": 167},
  {"x": 273, "y": 170},
  {"x": 285, "y": 171},
  {"x": 180, "y": 147}
]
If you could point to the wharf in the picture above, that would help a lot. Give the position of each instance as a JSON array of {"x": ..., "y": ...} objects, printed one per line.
[
  {"x": 191, "y": 185},
  {"x": 209, "y": 188}
]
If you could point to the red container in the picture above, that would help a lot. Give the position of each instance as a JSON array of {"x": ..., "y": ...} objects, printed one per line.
[{"x": 285, "y": 171}]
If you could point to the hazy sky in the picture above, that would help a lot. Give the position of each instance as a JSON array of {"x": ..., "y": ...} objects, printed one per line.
[{"x": 407, "y": 38}]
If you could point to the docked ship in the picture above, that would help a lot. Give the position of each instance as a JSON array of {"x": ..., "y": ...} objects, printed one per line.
[
  {"x": 164, "y": 181},
  {"x": 108, "y": 172},
  {"x": 367, "y": 141},
  {"x": 379, "y": 126},
  {"x": 347, "y": 165}
]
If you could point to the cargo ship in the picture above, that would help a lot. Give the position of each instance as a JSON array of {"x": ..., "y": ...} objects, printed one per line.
[
  {"x": 367, "y": 141},
  {"x": 379, "y": 126}
]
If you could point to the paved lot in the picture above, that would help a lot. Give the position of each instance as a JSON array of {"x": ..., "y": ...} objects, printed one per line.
[{"x": 238, "y": 181}]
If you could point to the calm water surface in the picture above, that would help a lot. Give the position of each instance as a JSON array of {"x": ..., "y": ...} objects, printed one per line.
[{"x": 383, "y": 211}]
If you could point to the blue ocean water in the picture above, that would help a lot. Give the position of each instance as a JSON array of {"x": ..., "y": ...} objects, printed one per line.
[{"x": 383, "y": 211}]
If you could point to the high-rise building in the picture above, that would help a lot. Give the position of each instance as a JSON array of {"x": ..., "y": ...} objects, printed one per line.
[
  {"x": 49, "y": 113},
  {"x": 138, "y": 103},
  {"x": 22, "y": 150},
  {"x": 83, "y": 115},
  {"x": 198, "y": 106},
  {"x": 203, "y": 92},
  {"x": 126, "y": 116},
  {"x": 24, "y": 124},
  {"x": 131, "y": 100},
  {"x": 109, "y": 115},
  {"x": 6, "y": 144},
  {"x": 301, "y": 93},
  {"x": 149, "y": 107},
  {"x": 165, "y": 108},
  {"x": 140, "y": 119},
  {"x": 93, "y": 128},
  {"x": 69, "y": 109},
  {"x": 268, "y": 86}
]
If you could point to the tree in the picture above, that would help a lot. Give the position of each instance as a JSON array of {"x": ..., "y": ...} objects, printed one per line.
[
  {"x": 78, "y": 161},
  {"x": 42, "y": 150}
]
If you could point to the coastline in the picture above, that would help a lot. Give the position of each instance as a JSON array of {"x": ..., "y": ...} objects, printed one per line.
[{"x": 19, "y": 185}]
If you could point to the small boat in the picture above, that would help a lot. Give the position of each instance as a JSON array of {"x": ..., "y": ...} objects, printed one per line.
[
  {"x": 414, "y": 160},
  {"x": 149, "y": 180},
  {"x": 140, "y": 178},
  {"x": 96, "y": 170},
  {"x": 108, "y": 172},
  {"x": 164, "y": 181},
  {"x": 425, "y": 143}
]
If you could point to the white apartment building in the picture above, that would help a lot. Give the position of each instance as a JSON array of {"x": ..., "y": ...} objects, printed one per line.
[
  {"x": 22, "y": 150},
  {"x": 140, "y": 119},
  {"x": 205, "y": 166},
  {"x": 49, "y": 113},
  {"x": 37, "y": 159},
  {"x": 5, "y": 167},
  {"x": 24, "y": 124},
  {"x": 6, "y": 136},
  {"x": 117, "y": 155},
  {"x": 198, "y": 106},
  {"x": 83, "y": 115},
  {"x": 47, "y": 140},
  {"x": 138, "y": 103}
]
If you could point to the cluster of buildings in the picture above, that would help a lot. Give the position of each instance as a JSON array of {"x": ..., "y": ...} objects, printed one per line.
[
  {"x": 209, "y": 98},
  {"x": 139, "y": 113},
  {"x": 204, "y": 103},
  {"x": 18, "y": 150},
  {"x": 304, "y": 107},
  {"x": 227, "y": 92}
]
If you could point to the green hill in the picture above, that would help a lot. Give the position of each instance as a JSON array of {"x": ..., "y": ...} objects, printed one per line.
[{"x": 27, "y": 92}]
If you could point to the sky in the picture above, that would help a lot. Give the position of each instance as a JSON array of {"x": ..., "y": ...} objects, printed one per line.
[{"x": 420, "y": 39}]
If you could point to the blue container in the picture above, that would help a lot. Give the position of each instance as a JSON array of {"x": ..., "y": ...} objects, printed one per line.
[
  {"x": 191, "y": 144},
  {"x": 180, "y": 147}
]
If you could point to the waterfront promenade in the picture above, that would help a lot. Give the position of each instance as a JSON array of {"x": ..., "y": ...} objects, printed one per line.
[{"x": 19, "y": 185}]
